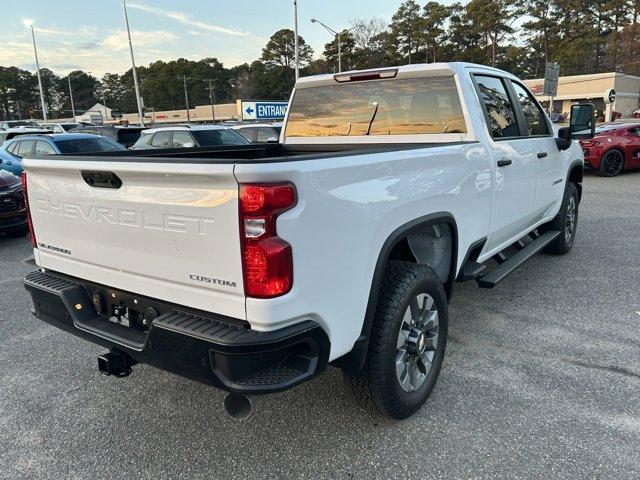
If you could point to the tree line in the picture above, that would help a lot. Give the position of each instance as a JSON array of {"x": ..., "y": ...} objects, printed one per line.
[{"x": 583, "y": 36}]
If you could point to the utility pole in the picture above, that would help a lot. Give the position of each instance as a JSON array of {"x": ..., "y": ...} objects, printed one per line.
[
  {"x": 73, "y": 109},
  {"x": 133, "y": 66},
  {"x": 186, "y": 97},
  {"x": 295, "y": 42},
  {"x": 211, "y": 98},
  {"x": 104, "y": 103},
  {"x": 35, "y": 51}
]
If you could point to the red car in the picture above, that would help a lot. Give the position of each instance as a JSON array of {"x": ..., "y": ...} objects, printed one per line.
[{"x": 615, "y": 147}]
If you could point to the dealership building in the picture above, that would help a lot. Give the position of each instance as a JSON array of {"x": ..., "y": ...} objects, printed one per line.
[{"x": 609, "y": 92}]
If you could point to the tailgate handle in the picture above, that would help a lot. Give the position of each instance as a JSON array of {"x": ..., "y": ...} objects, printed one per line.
[{"x": 101, "y": 179}]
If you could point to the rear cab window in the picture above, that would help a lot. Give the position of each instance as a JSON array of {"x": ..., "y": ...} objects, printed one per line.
[{"x": 405, "y": 106}]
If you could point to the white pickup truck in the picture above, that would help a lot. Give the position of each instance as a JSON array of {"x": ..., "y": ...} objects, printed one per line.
[{"x": 251, "y": 268}]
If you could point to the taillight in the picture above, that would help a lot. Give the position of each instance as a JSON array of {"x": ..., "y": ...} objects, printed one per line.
[
  {"x": 267, "y": 260},
  {"x": 32, "y": 235}
]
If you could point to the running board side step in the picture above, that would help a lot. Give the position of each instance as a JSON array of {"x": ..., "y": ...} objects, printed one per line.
[{"x": 498, "y": 274}]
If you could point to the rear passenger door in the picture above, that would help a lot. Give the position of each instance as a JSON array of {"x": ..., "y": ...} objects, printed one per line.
[
  {"x": 550, "y": 162},
  {"x": 515, "y": 162}
]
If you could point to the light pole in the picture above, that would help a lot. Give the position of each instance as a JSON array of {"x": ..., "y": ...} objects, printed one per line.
[
  {"x": 29, "y": 23},
  {"x": 338, "y": 38},
  {"x": 133, "y": 66},
  {"x": 296, "y": 47}
]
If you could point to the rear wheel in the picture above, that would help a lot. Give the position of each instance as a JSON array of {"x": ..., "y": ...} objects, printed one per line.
[
  {"x": 611, "y": 163},
  {"x": 407, "y": 342}
]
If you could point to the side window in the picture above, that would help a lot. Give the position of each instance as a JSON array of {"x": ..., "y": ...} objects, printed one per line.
[
  {"x": 533, "y": 114},
  {"x": 13, "y": 147},
  {"x": 43, "y": 148},
  {"x": 265, "y": 133},
  {"x": 182, "y": 139},
  {"x": 635, "y": 132},
  {"x": 500, "y": 111},
  {"x": 25, "y": 148},
  {"x": 248, "y": 133},
  {"x": 162, "y": 140}
]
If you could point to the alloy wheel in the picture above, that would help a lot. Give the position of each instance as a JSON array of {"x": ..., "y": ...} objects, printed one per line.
[
  {"x": 613, "y": 163},
  {"x": 417, "y": 342},
  {"x": 570, "y": 219}
]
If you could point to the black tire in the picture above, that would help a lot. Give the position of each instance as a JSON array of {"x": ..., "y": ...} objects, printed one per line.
[
  {"x": 563, "y": 243},
  {"x": 611, "y": 163},
  {"x": 378, "y": 385},
  {"x": 17, "y": 233}
]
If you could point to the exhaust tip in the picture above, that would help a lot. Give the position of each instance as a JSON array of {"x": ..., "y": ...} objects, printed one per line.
[{"x": 238, "y": 406}]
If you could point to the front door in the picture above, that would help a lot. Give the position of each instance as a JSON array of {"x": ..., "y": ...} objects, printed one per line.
[
  {"x": 551, "y": 166},
  {"x": 515, "y": 163}
]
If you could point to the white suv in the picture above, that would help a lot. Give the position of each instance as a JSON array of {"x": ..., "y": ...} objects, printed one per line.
[
  {"x": 259, "y": 132},
  {"x": 187, "y": 137}
]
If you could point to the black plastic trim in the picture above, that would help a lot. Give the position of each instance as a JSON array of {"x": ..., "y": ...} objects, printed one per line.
[
  {"x": 473, "y": 252},
  {"x": 256, "y": 153},
  {"x": 205, "y": 349}
]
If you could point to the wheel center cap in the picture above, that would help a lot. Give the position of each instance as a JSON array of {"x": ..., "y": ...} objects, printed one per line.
[{"x": 417, "y": 342}]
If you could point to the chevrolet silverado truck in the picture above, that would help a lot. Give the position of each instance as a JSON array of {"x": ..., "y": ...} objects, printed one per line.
[{"x": 251, "y": 268}]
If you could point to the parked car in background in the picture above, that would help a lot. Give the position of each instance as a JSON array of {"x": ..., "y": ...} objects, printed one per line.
[
  {"x": 258, "y": 132},
  {"x": 13, "y": 212},
  {"x": 18, "y": 123},
  {"x": 126, "y": 136},
  {"x": 615, "y": 147},
  {"x": 61, "y": 127},
  {"x": 13, "y": 151},
  {"x": 188, "y": 136},
  {"x": 10, "y": 133},
  {"x": 558, "y": 117}
]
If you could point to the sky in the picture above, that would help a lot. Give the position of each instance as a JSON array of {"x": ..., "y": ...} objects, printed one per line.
[{"x": 90, "y": 35}]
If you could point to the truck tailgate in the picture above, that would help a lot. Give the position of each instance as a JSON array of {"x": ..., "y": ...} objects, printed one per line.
[{"x": 170, "y": 231}]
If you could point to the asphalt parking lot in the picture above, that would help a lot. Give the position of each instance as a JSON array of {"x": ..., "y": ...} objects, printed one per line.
[{"x": 541, "y": 379}]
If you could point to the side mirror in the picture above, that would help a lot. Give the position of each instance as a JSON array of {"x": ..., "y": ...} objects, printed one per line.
[{"x": 582, "y": 122}]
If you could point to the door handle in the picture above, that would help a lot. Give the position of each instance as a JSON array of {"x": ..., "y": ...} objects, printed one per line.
[
  {"x": 504, "y": 162},
  {"x": 542, "y": 154}
]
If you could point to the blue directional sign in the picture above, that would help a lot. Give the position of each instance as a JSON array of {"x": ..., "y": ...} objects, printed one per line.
[{"x": 264, "y": 110}]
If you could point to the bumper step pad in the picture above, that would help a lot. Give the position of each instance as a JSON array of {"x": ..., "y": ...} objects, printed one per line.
[{"x": 200, "y": 347}]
